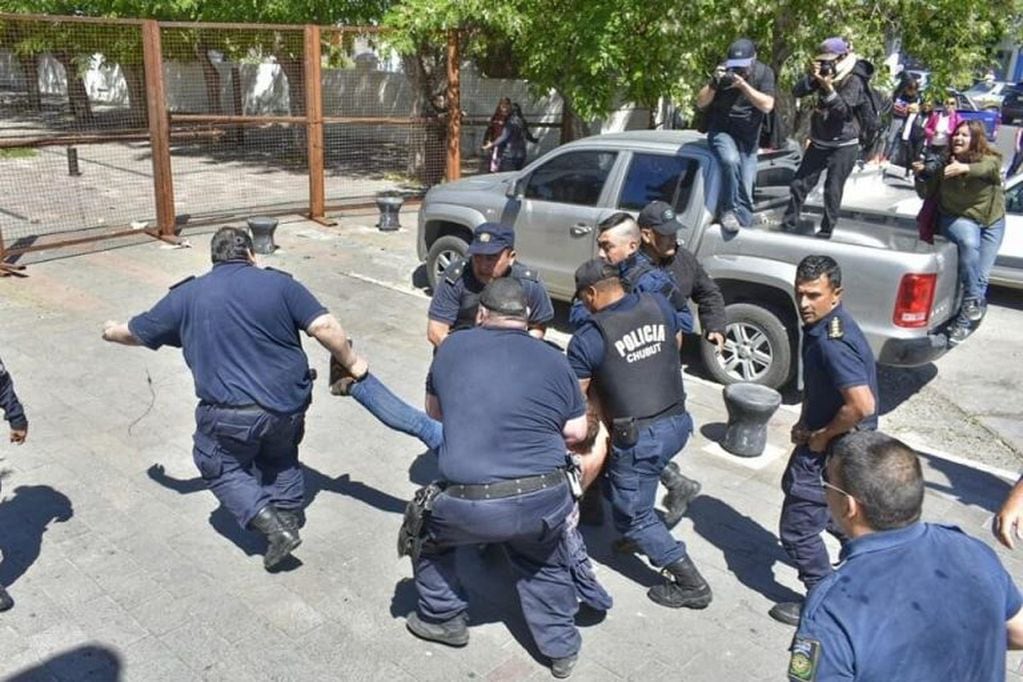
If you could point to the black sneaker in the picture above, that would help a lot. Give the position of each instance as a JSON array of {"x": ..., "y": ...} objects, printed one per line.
[
  {"x": 562, "y": 667},
  {"x": 959, "y": 331},
  {"x": 452, "y": 632}
]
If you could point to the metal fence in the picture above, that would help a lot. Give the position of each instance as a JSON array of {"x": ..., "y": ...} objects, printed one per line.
[{"x": 113, "y": 128}]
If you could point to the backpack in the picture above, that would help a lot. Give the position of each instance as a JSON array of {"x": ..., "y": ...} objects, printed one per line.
[{"x": 869, "y": 112}]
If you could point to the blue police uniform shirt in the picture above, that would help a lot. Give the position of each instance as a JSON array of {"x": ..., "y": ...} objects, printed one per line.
[
  {"x": 505, "y": 399},
  {"x": 654, "y": 281},
  {"x": 925, "y": 602},
  {"x": 836, "y": 356},
  {"x": 586, "y": 348},
  {"x": 238, "y": 326},
  {"x": 447, "y": 300}
]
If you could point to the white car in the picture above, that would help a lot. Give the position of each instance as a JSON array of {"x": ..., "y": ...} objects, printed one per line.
[
  {"x": 989, "y": 94},
  {"x": 1008, "y": 270}
]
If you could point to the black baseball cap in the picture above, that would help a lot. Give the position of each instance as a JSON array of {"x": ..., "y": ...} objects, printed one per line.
[
  {"x": 491, "y": 238},
  {"x": 741, "y": 53},
  {"x": 660, "y": 217},
  {"x": 505, "y": 295},
  {"x": 593, "y": 271}
]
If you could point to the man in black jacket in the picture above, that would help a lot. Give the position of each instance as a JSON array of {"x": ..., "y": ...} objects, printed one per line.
[{"x": 837, "y": 78}]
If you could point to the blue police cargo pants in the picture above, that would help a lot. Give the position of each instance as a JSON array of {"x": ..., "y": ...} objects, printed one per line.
[
  {"x": 249, "y": 458},
  {"x": 531, "y": 527},
  {"x": 632, "y": 478},
  {"x": 804, "y": 516}
]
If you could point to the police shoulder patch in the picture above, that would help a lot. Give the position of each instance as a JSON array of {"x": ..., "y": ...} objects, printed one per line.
[
  {"x": 835, "y": 329},
  {"x": 187, "y": 279},
  {"x": 282, "y": 272},
  {"x": 806, "y": 656},
  {"x": 454, "y": 271}
]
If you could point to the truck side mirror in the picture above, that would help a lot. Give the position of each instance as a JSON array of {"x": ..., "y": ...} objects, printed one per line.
[{"x": 516, "y": 188}]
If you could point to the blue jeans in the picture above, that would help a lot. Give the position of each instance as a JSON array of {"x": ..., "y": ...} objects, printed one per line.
[
  {"x": 978, "y": 248},
  {"x": 632, "y": 478},
  {"x": 738, "y": 173},
  {"x": 396, "y": 413}
]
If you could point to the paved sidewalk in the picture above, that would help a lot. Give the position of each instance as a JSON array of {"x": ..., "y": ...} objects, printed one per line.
[{"x": 124, "y": 568}]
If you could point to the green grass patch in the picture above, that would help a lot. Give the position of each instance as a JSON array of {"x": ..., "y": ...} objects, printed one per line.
[{"x": 18, "y": 153}]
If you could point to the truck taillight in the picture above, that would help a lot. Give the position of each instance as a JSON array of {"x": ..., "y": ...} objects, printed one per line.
[{"x": 914, "y": 301}]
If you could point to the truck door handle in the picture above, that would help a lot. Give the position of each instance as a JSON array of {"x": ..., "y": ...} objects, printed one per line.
[{"x": 580, "y": 229}]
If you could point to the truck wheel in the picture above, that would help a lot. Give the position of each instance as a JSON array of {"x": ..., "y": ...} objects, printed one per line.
[
  {"x": 443, "y": 253},
  {"x": 758, "y": 348}
]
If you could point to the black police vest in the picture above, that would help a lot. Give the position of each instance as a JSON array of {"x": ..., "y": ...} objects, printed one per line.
[
  {"x": 470, "y": 300},
  {"x": 641, "y": 375}
]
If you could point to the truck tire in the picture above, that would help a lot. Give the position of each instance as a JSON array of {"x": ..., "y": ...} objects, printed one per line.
[
  {"x": 758, "y": 348},
  {"x": 442, "y": 253}
]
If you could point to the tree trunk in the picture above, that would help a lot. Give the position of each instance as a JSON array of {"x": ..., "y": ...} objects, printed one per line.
[
  {"x": 572, "y": 127},
  {"x": 425, "y": 139},
  {"x": 211, "y": 78},
  {"x": 135, "y": 79},
  {"x": 78, "y": 97},
  {"x": 294, "y": 71},
  {"x": 30, "y": 69},
  {"x": 237, "y": 105}
]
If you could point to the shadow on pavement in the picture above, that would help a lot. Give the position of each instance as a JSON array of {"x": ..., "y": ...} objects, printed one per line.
[
  {"x": 24, "y": 518},
  {"x": 750, "y": 549},
  {"x": 968, "y": 485},
  {"x": 896, "y": 385},
  {"x": 315, "y": 481},
  {"x": 89, "y": 662}
]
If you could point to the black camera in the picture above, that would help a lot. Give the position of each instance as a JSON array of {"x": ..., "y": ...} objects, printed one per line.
[
  {"x": 826, "y": 67},
  {"x": 727, "y": 79}
]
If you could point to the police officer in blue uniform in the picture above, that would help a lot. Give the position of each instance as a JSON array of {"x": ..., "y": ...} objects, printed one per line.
[
  {"x": 509, "y": 405},
  {"x": 911, "y": 601},
  {"x": 238, "y": 326},
  {"x": 491, "y": 256},
  {"x": 839, "y": 395},
  {"x": 628, "y": 347},
  {"x": 15, "y": 416}
]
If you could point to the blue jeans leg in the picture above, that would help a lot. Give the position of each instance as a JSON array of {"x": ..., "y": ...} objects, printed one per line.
[
  {"x": 395, "y": 413},
  {"x": 966, "y": 235},
  {"x": 744, "y": 207},
  {"x": 633, "y": 475},
  {"x": 727, "y": 153},
  {"x": 990, "y": 241}
]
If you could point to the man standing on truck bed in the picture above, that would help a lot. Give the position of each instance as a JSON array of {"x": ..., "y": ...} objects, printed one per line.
[
  {"x": 491, "y": 256},
  {"x": 839, "y": 395},
  {"x": 737, "y": 97}
]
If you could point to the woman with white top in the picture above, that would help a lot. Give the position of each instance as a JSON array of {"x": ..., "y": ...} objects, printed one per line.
[{"x": 940, "y": 126}]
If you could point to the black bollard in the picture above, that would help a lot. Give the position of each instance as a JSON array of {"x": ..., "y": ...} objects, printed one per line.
[
  {"x": 389, "y": 206},
  {"x": 262, "y": 230},
  {"x": 72, "y": 162},
  {"x": 750, "y": 407}
]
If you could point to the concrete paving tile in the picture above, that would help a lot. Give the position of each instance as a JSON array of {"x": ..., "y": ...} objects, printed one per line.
[
  {"x": 151, "y": 659},
  {"x": 108, "y": 621}
]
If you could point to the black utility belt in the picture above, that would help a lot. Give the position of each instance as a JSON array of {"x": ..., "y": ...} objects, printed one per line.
[
  {"x": 625, "y": 430},
  {"x": 509, "y": 488}
]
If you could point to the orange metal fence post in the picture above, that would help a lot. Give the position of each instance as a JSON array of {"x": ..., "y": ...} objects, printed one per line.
[
  {"x": 314, "y": 121},
  {"x": 159, "y": 128},
  {"x": 453, "y": 170}
]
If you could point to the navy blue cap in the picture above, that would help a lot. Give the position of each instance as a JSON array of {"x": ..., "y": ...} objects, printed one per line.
[
  {"x": 505, "y": 295},
  {"x": 741, "y": 53},
  {"x": 593, "y": 271},
  {"x": 660, "y": 217},
  {"x": 491, "y": 238}
]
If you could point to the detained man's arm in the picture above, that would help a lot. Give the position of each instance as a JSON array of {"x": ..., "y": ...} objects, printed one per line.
[
  {"x": 328, "y": 331},
  {"x": 437, "y": 331},
  {"x": 1014, "y": 626},
  {"x": 859, "y": 404},
  {"x": 118, "y": 332},
  {"x": 705, "y": 96},
  {"x": 575, "y": 430},
  {"x": 433, "y": 407}
]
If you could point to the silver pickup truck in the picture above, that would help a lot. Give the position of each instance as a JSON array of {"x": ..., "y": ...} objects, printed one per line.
[{"x": 900, "y": 289}]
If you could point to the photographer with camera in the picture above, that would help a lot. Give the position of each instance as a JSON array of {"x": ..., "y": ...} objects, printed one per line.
[
  {"x": 838, "y": 79},
  {"x": 739, "y": 94}
]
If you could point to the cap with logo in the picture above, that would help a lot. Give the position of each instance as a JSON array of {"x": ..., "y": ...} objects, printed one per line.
[
  {"x": 505, "y": 295},
  {"x": 741, "y": 53},
  {"x": 491, "y": 238},
  {"x": 593, "y": 271},
  {"x": 660, "y": 217},
  {"x": 831, "y": 49}
]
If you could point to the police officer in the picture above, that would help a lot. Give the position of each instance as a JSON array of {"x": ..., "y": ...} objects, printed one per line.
[
  {"x": 911, "y": 601},
  {"x": 491, "y": 256},
  {"x": 15, "y": 416},
  {"x": 628, "y": 348},
  {"x": 238, "y": 326},
  {"x": 509, "y": 405},
  {"x": 839, "y": 395}
]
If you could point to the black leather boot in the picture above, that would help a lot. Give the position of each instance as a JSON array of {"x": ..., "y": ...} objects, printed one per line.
[
  {"x": 5, "y": 600},
  {"x": 452, "y": 632},
  {"x": 293, "y": 519},
  {"x": 683, "y": 587},
  {"x": 281, "y": 538},
  {"x": 681, "y": 491}
]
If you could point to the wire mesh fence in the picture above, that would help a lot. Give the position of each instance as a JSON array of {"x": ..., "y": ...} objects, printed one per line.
[{"x": 114, "y": 126}]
